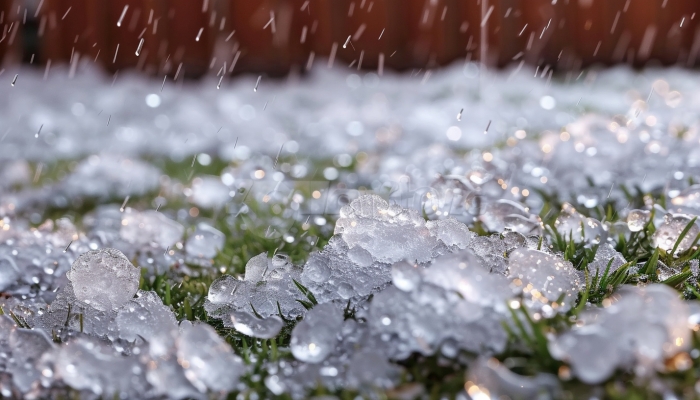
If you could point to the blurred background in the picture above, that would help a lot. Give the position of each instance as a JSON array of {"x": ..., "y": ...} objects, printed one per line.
[{"x": 190, "y": 38}]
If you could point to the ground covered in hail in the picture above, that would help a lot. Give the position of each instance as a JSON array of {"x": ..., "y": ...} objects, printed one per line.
[{"x": 453, "y": 233}]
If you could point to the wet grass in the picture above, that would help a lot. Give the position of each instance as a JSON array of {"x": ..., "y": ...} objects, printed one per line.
[{"x": 437, "y": 376}]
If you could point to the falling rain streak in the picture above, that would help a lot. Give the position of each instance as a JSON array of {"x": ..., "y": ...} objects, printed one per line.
[
  {"x": 138, "y": 49},
  {"x": 123, "y": 207},
  {"x": 121, "y": 17},
  {"x": 255, "y": 89}
]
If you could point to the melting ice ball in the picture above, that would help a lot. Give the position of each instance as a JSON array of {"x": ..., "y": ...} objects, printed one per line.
[
  {"x": 104, "y": 279},
  {"x": 668, "y": 233},
  {"x": 637, "y": 219},
  {"x": 314, "y": 338},
  {"x": 572, "y": 224}
]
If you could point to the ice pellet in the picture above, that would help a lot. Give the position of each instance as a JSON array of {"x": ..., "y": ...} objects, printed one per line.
[
  {"x": 668, "y": 233},
  {"x": 314, "y": 338},
  {"x": 637, "y": 219},
  {"x": 147, "y": 228},
  {"x": 545, "y": 278},
  {"x": 268, "y": 289},
  {"x": 206, "y": 241},
  {"x": 572, "y": 224},
  {"x": 105, "y": 279},
  {"x": 388, "y": 233},
  {"x": 209, "y": 362},
  {"x": 639, "y": 328},
  {"x": 249, "y": 324}
]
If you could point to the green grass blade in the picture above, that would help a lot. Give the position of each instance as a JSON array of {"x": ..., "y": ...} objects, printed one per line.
[
  {"x": 650, "y": 266},
  {"x": 677, "y": 279},
  {"x": 584, "y": 295},
  {"x": 684, "y": 232},
  {"x": 306, "y": 292}
]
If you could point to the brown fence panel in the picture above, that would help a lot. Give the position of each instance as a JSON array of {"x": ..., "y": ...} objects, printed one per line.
[
  {"x": 500, "y": 20},
  {"x": 596, "y": 28},
  {"x": 430, "y": 40},
  {"x": 273, "y": 35},
  {"x": 190, "y": 33},
  {"x": 190, "y": 37},
  {"x": 10, "y": 24},
  {"x": 71, "y": 29},
  {"x": 373, "y": 32},
  {"x": 111, "y": 33}
]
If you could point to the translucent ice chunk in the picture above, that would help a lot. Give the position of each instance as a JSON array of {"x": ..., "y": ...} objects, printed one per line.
[
  {"x": 330, "y": 274},
  {"x": 455, "y": 299},
  {"x": 389, "y": 233},
  {"x": 66, "y": 315},
  {"x": 591, "y": 353},
  {"x": 545, "y": 278},
  {"x": 358, "y": 361},
  {"x": 421, "y": 320},
  {"x": 104, "y": 279},
  {"x": 688, "y": 198},
  {"x": 639, "y": 329},
  {"x": 249, "y": 324},
  {"x": 149, "y": 227},
  {"x": 206, "y": 241},
  {"x": 9, "y": 273},
  {"x": 479, "y": 175},
  {"x": 464, "y": 273},
  {"x": 360, "y": 256},
  {"x": 168, "y": 379},
  {"x": 208, "y": 361},
  {"x": 506, "y": 214},
  {"x": 107, "y": 176},
  {"x": 88, "y": 364},
  {"x": 209, "y": 192},
  {"x": 451, "y": 232},
  {"x": 7, "y": 325},
  {"x": 369, "y": 368},
  {"x": 405, "y": 276},
  {"x": 670, "y": 231},
  {"x": 491, "y": 379},
  {"x": 31, "y": 263},
  {"x": 268, "y": 288},
  {"x": 223, "y": 289},
  {"x": 447, "y": 197},
  {"x": 314, "y": 338},
  {"x": 146, "y": 317},
  {"x": 27, "y": 348},
  {"x": 659, "y": 214},
  {"x": 605, "y": 255},
  {"x": 492, "y": 250},
  {"x": 571, "y": 223},
  {"x": 317, "y": 269},
  {"x": 637, "y": 219},
  {"x": 256, "y": 268}
]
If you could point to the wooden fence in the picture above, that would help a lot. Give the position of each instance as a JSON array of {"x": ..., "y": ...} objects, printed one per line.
[{"x": 274, "y": 36}]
